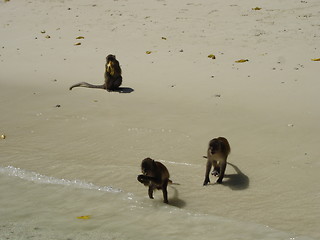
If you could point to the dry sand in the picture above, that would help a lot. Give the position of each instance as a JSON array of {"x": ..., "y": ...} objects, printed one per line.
[{"x": 268, "y": 107}]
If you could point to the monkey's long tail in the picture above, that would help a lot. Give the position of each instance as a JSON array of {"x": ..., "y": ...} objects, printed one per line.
[
  {"x": 173, "y": 183},
  {"x": 87, "y": 85}
]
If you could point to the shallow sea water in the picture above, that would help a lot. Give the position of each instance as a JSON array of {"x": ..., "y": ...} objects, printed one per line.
[
  {"x": 35, "y": 206},
  {"x": 49, "y": 177}
]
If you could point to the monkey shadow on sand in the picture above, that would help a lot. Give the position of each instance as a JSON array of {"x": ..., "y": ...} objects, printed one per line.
[
  {"x": 237, "y": 181},
  {"x": 124, "y": 90},
  {"x": 175, "y": 200}
]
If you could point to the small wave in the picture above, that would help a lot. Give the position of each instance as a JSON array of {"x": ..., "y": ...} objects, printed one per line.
[
  {"x": 39, "y": 178},
  {"x": 177, "y": 163}
]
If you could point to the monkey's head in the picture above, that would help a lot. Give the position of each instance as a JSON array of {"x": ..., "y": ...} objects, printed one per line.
[
  {"x": 147, "y": 166},
  {"x": 215, "y": 146},
  {"x": 110, "y": 57}
]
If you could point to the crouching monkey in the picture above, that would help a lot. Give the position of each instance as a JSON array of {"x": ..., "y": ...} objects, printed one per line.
[
  {"x": 156, "y": 176},
  {"x": 217, "y": 155}
]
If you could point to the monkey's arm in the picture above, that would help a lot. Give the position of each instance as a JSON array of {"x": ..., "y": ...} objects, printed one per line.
[
  {"x": 208, "y": 168},
  {"x": 165, "y": 192},
  {"x": 150, "y": 192}
]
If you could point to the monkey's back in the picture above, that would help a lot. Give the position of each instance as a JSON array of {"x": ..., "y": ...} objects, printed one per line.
[
  {"x": 163, "y": 170},
  {"x": 226, "y": 146}
]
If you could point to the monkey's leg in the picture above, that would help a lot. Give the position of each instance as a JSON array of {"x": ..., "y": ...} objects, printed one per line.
[
  {"x": 165, "y": 192},
  {"x": 150, "y": 192},
  {"x": 110, "y": 84},
  {"x": 113, "y": 83},
  {"x": 117, "y": 83},
  {"x": 208, "y": 168},
  {"x": 223, "y": 165}
]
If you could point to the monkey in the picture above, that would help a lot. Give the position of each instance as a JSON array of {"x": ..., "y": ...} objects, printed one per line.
[
  {"x": 112, "y": 76},
  {"x": 155, "y": 176},
  {"x": 217, "y": 155}
]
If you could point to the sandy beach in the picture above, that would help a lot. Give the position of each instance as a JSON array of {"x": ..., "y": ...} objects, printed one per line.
[{"x": 61, "y": 150}]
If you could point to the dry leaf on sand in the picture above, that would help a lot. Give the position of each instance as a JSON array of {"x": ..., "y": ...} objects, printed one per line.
[
  {"x": 242, "y": 61},
  {"x": 84, "y": 217}
]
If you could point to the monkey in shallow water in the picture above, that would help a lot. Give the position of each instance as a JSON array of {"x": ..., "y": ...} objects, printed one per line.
[
  {"x": 155, "y": 176},
  {"x": 112, "y": 76},
  {"x": 217, "y": 155}
]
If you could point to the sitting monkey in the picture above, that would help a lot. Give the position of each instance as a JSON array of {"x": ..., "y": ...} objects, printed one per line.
[
  {"x": 217, "y": 155},
  {"x": 155, "y": 176},
  {"x": 112, "y": 76}
]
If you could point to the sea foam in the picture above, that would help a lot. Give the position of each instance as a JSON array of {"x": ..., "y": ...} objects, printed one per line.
[{"x": 39, "y": 178}]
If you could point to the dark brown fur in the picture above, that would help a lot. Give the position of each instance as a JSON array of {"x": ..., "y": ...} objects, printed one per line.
[
  {"x": 217, "y": 155},
  {"x": 155, "y": 176},
  {"x": 112, "y": 76}
]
